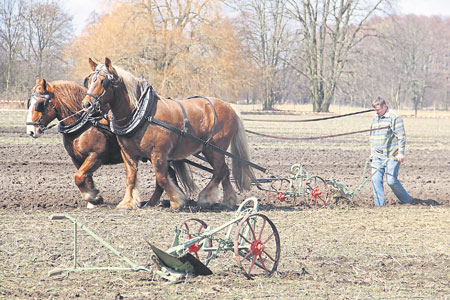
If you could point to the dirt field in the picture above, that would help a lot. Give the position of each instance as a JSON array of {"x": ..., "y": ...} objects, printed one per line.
[{"x": 348, "y": 251}]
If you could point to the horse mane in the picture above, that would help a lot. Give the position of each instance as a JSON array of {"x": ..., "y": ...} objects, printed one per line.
[
  {"x": 131, "y": 83},
  {"x": 69, "y": 94}
]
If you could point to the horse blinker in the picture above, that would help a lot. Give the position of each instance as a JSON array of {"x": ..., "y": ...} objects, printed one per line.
[
  {"x": 40, "y": 106},
  {"x": 86, "y": 82}
]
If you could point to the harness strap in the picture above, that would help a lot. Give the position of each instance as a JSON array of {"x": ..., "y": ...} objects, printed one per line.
[
  {"x": 183, "y": 132},
  {"x": 146, "y": 105},
  {"x": 81, "y": 122},
  {"x": 200, "y": 141},
  {"x": 214, "y": 121}
]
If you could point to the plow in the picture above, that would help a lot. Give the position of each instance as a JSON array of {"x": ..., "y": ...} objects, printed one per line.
[
  {"x": 301, "y": 187},
  {"x": 250, "y": 235}
]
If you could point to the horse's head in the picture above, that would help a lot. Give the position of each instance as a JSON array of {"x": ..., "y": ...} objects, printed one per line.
[
  {"x": 100, "y": 84},
  {"x": 41, "y": 109}
]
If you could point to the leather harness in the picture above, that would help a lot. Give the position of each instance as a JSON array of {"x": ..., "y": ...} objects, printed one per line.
[{"x": 143, "y": 113}]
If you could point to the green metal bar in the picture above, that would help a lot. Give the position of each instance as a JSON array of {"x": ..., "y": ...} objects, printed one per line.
[
  {"x": 133, "y": 266},
  {"x": 207, "y": 234},
  {"x": 364, "y": 179},
  {"x": 177, "y": 248},
  {"x": 75, "y": 244}
]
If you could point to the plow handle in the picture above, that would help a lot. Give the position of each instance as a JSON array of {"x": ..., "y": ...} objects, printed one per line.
[
  {"x": 57, "y": 217},
  {"x": 55, "y": 272}
]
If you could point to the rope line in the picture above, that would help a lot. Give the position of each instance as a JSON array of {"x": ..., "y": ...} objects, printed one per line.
[
  {"x": 74, "y": 114},
  {"x": 312, "y": 138},
  {"x": 312, "y": 120}
]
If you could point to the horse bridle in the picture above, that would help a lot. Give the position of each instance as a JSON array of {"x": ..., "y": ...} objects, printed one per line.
[
  {"x": 40, "y": 107},
  {"x": 106, "y": 83}
]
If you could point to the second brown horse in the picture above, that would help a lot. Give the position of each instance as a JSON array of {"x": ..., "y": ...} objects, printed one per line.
[{"x": 210, "y": 119}]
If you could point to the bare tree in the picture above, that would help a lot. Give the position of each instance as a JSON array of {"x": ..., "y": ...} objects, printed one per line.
[
  {"x": 265, "y": 30},
  {"x": 329, "y": 30},
  {"x": 182, "y": 47},
  {"x": 48, "y": 29},
  {"x": 11, "y": 33},
  {"x": 406, "y": 62}
]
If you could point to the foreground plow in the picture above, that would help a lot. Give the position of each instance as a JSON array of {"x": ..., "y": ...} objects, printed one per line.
[{"x": 252, "y": 237}]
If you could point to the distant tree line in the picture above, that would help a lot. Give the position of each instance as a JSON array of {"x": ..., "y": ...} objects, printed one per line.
[
  {"x": 267, "y": 52},
  {"x": 33, "y": 39}
]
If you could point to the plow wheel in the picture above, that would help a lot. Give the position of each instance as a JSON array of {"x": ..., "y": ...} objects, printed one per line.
[
  {"x": 283, "y": 189},
  {"x": 316, "y": 192},
  {"x": 192, "y": 228},
  {"x": 257, "y": 246}
]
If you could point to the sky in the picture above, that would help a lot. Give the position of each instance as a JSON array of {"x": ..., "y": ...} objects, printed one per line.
[
  {"x": 424, "y": 7},
  {"x": 82, "y": 9}
]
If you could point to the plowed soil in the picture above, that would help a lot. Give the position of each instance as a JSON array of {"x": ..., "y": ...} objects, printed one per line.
[{"x": 347, "y": 250}]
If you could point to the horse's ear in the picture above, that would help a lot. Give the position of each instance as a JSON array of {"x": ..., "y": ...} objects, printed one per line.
[
  {"x": 108, "y": 64},
  {"x": 49, "y": 88},
  {"x": 44, "y": 84},
  {"x": 38, "y": 80},
  {"x": 92, "y": 64}
]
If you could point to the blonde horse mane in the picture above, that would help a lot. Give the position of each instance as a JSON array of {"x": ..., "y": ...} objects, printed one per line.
[
  {"x": 130, "y": 81},
  {"x": 69, "y": 94}
]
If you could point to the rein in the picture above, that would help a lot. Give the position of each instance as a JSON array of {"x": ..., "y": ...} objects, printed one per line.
[
  {"x": 71, "y": 128},
  {"x": 312, "y": 120},
  {"x": 313, "y": 138}
]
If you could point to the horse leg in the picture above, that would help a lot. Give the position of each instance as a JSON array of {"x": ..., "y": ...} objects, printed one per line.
[
  {"x": 154, "y": 199},
  {"x": 84, "y": 181},
  {"x": 210, "y": 194},
  {"x": 229, "y": 195},
  {"x": 131, "y": 198},
  {"x": 90, "y": 182},
  {"x": 165, "y": 177}
]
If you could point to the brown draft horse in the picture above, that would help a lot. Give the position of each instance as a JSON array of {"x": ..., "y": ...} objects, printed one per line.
[
  {"x": 215, "y": 121},
  {"x": 89, "y": 146}
]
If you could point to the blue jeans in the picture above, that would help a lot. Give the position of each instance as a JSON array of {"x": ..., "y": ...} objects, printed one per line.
[{"x": 391, "y": 170}]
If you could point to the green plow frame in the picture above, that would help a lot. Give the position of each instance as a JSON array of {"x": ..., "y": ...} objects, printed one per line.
[
  {"x": 76, "y": 226},
  {"x": 178, "y": 262},
  {"x": 349, "y": 193}
]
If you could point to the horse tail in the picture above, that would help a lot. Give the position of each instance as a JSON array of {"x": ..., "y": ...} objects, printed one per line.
[
  {"x": 184, "y": 176},
  {"x": 242, "y": 173}
]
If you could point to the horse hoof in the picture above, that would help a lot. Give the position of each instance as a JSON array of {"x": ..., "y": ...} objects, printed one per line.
[
  {"x": 143, "y": 204},
  {"x": 205, "y": 204},
  {"x": 124, "y": 206},
  {"x": 191, "y": 202},
  {"x": 228, "y": 207},
  {"x": 91, "y": 205},
  {"x": 165, "y": 203},
  {"x": 98, "y": 200},
  {"x": 176, "y": 206}
]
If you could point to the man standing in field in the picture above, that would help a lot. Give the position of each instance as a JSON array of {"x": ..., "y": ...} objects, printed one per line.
[{"x": 387, "y": 146}]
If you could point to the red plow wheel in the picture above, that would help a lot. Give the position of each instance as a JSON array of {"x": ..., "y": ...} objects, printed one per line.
[
  {"x": 316, "y": 192},
  {"x": 257, "y": 246},
  {"x": 283, "y": 189},
  {"x": 190, "y": 229}
]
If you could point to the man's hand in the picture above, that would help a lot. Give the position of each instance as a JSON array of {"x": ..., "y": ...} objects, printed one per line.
[{"x": 400, "y": 157}]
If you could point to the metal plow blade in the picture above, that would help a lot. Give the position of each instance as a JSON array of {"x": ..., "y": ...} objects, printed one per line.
[{"x": 174, "y": 268}]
